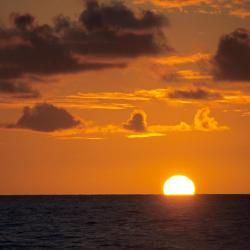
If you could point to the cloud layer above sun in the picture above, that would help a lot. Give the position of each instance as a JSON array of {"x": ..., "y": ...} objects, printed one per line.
[
  {"x": 108, "y": 36},
  {"x": 45, "y": 117}
]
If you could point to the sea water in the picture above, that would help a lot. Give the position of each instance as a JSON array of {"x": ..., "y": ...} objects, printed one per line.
[{"x": 125, "y": 222}]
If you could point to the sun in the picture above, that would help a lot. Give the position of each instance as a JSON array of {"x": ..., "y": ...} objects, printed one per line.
[{"x": 179, "y": 185}]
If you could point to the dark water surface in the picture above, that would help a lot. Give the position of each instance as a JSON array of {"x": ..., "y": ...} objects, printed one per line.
[{"x": 125, "y": 222}]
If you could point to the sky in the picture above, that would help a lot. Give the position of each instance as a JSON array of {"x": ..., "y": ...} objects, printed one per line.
[{"x": 114, "y": 97}]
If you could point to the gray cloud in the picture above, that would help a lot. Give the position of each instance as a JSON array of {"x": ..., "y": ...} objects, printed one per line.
[
  {"x": 23, "y": 22},
  {"x": 46, "y": 118},
  {"x": 137, "y": 122},
  {"x": 118, "y": 16},
  {"x": 102, "y": 33},
  {"x": 196, "y": 94},
  {"x": 38, "y": 50},
  {"x": 232, "y": 60},
  {"x": 20, "y": 90}
]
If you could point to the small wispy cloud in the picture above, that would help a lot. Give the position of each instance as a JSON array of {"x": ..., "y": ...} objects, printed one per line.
[
  {"x": 185, "y": 59},
  {"x": 204, "y": 122},
  {"x": 239, "y": 8},
  {"x": 192, "y": 75}
]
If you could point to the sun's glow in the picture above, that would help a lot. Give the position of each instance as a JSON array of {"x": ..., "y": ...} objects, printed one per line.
[{"x": 179, "y": 185}]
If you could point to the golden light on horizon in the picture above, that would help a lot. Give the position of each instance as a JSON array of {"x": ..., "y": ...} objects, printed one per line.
[{"x": 179, "y": 185}]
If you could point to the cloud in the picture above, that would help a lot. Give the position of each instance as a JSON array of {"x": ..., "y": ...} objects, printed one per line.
[
  {"x": 192, "y": 75},
  {"x": 137, "y": 121},
  {"x": 238, "y": 8},
  {"x": 204, "y": 122},
  {"x": 118, "y": 16},
  {"x": 40, "y": 51},
  {"x": 137, "y": 124},
  {"x": 144, "y": 135},
  {"x": 46, "y": 118},
  {"x": 195, "y": 94},
  {"x": 185, "y": 94},
  {"x": 103, "y": 32},
  {"x": 49, "y": 118},
  {"x": 175, "y": 60},
  {"x": 23, "y": 22},
  {"x": 115, "y": 31},
  {"x": 20, "y": 90},
  {"x": 180, "y": 127},
  {"x": 232, "y": 59},
  {"x": 135, "y": 127},
  {"x": 240, "y": 12},
  {"x": 177, "y": 3},
  {"x": 188, "y": 75}
]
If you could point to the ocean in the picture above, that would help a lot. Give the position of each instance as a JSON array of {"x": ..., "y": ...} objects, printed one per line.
[{"x": 125, "y": 222}]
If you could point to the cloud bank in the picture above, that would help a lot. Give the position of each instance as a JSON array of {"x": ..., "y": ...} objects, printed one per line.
[
  {"x": 104, "y": 36},
  {"x": 102, "y": 31}
]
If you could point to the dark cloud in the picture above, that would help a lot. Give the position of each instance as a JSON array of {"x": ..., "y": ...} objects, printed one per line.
[
  {"x": 118, "y": 16},
  {"x": 20, "y": 90},
  {"x": 114, "y": 30},
  {"x": 197, "y": 94},
  {"x": 232, "y": 60},
  {"x": 101, "y": 33},
  {"x": 23, "y": 22},
  {"x": 46, "y": 118},
  {"x": 40, "y": 51},
  {"x": 137, "y": 122}
]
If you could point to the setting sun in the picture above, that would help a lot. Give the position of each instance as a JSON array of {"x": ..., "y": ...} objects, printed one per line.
[{"x": 179, "y": 185}]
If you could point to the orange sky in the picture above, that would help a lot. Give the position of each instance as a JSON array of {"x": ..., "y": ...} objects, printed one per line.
[{"x": 120, "y": 116}]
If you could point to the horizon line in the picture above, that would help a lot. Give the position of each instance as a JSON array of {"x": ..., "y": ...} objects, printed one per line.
[{"x": 115, "y": 194}]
